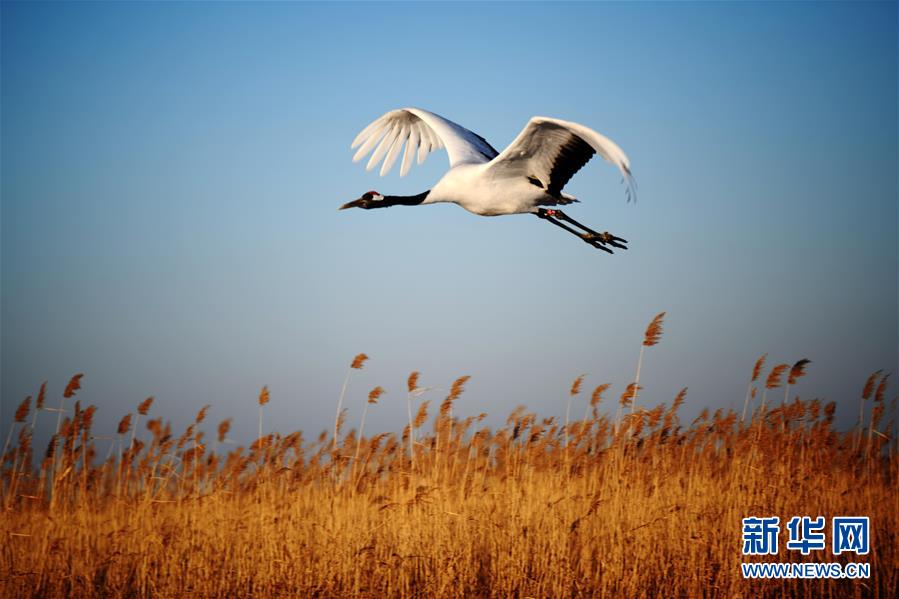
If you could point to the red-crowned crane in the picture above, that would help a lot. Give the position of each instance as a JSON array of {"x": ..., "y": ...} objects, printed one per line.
[{"x": 527, "y": 175}]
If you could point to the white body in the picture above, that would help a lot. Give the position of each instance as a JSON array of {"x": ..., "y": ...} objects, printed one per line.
[
  {"x": 478, "y": 190},
  {"x": 530, "y": 172}
]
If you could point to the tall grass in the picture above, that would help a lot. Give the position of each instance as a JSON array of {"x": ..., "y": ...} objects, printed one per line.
[{"x": 536, "y": 508}]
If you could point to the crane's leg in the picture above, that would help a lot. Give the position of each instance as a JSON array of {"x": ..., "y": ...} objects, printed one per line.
[
  {"x": 604, "y": 237},
  {"x": 597, "y": 240},
  {"x": 545, "y": 215}
]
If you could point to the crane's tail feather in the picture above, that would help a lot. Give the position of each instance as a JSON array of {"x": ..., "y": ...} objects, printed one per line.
[{"x": 562, "y": 200}]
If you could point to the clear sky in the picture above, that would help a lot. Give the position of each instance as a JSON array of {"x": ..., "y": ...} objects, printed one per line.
[{"x": 171, "y": 173}]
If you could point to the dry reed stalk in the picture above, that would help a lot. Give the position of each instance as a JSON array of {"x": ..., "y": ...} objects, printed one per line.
[
  {"x": 87, "y": 419},
  {"x": 23, "y": 447},
  {"x": 143, "y": 408},
  {"x": 222, "y": 433},
  {"x": 796, "y": 372},
  {"x": 671, "y": 415},
  {"x": 877, "y": 411},
  {"x": 879, "y": 395},
  {"x": 679, "y": 399},
  {"x": 421, "y": 416},
  {"x": 651, "y": 337},
  {"x": 341, "y": 420},
  {"x": 20, "y": 415},
  {"x": 124, "y": 424},
  {"x": 595, "y": 399},
  {"x": 411, "y": 388},
  {"x": 73, "y": 385},
  {"x": 772, "y": 382},
  {"x": 21, "y": 412},
  {"x": 263, "y": 399},
  {"x": 866, "y": 394},
  {"x": 756, "y": 371},
  {"x": 575, "y": 390},
  {"x": 624, "y": 401},
  {"x": 445, "y": 418},
  {"x": 373, "y": 396},
  {"x": 223, "y": 428},
  {"x": 122, "y": 429},
  {"x": 357, "y": 364},
  {"x": 39, "y": 404}
]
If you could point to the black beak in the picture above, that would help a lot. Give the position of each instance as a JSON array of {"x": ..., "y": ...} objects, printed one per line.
[{"x": 354, "y": 204}]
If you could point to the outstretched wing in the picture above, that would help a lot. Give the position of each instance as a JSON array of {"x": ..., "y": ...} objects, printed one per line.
[
  {"x": 421, "y": 131},
  {"x": 551, "y": 151}
]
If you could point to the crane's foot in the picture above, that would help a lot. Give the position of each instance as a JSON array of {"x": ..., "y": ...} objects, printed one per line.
[{"x": 603, "y": 239}]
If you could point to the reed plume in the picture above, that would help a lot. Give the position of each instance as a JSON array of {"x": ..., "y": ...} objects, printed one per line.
[
  {"x": 41, "y": 396},
  {"x": 143, "y": 408},
  {"x": 421, "y": 416},
  {"x": 455, "y": 391},
  {"x": 797, "y": 371},
  {"x": 679, "y": 400},
  {"x": 74, "y": 385},
  {"x": 358, "y": 361},
  {"x": 124, "y": 424},
  {"x": 595, "y": 398},
  {"x": 223, "y": 428},
  {"x": 774, "y": 378},
  {"x": 654, "y": 330},
  {"x": 201, "y": 415},
  {"x": 457, "y": 388},
  {"x": 22, "y": 411}
]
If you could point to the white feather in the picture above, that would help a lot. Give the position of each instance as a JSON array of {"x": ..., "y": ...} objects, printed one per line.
[
  {"x": 424, "y": 148},
  {"x": 411, "y": 147},
  {"x": 373, "y": 138},
  {"x": 386, "y": 144},
  {"x": 395, "y": 150},
  {"x": 366, "y": 132}
]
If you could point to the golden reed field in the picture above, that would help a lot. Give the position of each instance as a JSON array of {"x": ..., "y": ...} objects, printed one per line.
[{"x": 615, "y": 500}]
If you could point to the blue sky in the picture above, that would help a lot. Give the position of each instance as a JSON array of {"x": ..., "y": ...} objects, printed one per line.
[{"x": 171, "y": 173}]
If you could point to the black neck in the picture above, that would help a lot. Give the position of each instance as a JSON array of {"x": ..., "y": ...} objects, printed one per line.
[{"x": 389, "y": 201}]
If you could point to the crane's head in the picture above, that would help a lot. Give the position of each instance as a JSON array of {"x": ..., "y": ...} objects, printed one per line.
[{"x": 368, "y": 200}]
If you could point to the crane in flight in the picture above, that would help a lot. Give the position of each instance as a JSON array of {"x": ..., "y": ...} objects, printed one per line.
[{"x": 525, "y": 178}]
